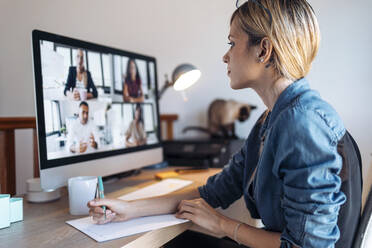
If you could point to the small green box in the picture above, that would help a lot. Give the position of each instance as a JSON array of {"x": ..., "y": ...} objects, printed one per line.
[
  {"x": 4, "y": 211},
  {"x": 16, "y": 209}
]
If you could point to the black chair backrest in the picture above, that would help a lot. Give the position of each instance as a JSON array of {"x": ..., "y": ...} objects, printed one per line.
[
  {"x": 363, "y": 224},
  {"x": 351, "y": 176}
]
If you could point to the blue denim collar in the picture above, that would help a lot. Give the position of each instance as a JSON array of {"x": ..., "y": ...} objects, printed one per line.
[{"x": 286, "y": 97}]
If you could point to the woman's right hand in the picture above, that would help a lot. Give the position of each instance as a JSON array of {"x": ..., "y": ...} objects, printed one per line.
[
  {"x": 76, "y": 95},
  {"x": 73, "y": 95},
  {"x": 116, "y": 210}
]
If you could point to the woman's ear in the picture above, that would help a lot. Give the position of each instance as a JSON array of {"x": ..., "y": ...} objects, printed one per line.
[{"x": 265, "y": 50}]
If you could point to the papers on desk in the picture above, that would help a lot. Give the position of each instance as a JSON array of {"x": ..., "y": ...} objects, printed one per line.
[
  {"x": 139, "y": 225},
  {"x": 117, "y": 230},
  {"x": 157, "y": 189}
]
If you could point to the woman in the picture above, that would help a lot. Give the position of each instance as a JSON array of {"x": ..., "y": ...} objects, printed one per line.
[
  {"x": 132, "y": 83},
  {"x": 289, "y": 169},
  {"x": 79, "y": 85},
  {"x": 136, "y": 135}
]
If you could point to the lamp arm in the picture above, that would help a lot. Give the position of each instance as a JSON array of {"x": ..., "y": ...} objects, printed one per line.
[{"x": 166, "y": 85}]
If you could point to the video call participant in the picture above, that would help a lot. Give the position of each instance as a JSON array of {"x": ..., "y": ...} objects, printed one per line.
[
  {"x": 132, "y": 83},
  {"x": 81, "y": 135},
  {"x": 136, "y": 130},
  {"x": 79, "y": 85}
]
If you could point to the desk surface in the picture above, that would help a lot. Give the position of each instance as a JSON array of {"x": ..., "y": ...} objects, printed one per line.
[{"x": 44, "y": 223}]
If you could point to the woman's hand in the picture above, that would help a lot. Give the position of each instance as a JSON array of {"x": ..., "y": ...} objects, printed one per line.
[
  {"x": 76, "y": 95},
  {"x": 200, "y": 213},
  {"x": 116, "y": 210},
  {"x": 73, "y": 95}
]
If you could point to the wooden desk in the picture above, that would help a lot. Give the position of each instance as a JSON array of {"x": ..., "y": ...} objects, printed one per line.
[{"x": 44, "y": 223}]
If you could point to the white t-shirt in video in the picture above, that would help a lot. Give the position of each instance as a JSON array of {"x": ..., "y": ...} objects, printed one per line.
[{"x": 80, "y": 133}]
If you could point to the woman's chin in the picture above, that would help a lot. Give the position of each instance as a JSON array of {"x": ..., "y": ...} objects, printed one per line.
[{"x": 235, "y": 86}]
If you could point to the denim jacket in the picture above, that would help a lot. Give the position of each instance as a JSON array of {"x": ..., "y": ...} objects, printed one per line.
[{"x": 296, "y": 186}]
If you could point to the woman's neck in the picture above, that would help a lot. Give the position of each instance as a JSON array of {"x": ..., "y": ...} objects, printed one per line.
[
  {"x": 80, "y": 69},
  {"x": 270, "y": 90}
]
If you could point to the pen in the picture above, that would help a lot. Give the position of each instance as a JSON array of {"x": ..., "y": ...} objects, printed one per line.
[{"x": 101, "y": 193}]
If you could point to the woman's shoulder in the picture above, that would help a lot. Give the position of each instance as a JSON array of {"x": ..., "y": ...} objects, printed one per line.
[{"x": 310, "y": 113}]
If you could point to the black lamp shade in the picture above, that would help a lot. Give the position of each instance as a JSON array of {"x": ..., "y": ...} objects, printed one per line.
[{"x": 184, "y": 76}]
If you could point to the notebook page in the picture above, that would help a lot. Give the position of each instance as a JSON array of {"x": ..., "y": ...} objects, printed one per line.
[
  {"x": 117, "y": 230},
  {"x": 161, "y": 188}
]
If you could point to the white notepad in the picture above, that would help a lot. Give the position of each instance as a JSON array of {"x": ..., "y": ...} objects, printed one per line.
[
  {"x": 117, "y": 230},
  {"x": 157, "y": 189}
]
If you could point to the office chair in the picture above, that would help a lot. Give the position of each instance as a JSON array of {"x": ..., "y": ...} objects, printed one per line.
[{"x": 363, "y": 237}]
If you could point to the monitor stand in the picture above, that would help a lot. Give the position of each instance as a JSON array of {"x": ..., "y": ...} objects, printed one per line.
[
  {"x": 116, "y": 177},
  {"x": 36, "y": 194}
]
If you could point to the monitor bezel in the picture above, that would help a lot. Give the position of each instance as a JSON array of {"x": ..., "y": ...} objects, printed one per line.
[{"x": 44, "y": 163}]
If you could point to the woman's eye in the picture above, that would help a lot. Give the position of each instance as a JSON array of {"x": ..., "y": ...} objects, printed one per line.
[{"x": 231, "y": 43}]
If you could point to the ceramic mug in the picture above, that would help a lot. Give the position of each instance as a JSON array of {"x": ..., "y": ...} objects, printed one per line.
[
  {"x": 83, "y": 94},
  {"x": 81, "y": 190}
]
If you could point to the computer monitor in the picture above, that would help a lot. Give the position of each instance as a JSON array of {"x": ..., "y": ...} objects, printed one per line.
[{"x": 96, "y": 107}]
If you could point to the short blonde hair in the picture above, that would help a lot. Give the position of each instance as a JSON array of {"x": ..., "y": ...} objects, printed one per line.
[{"x": 292, "y": 28}]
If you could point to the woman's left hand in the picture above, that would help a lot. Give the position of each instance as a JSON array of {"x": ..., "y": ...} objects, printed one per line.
[{"x": 200, "y": 213}]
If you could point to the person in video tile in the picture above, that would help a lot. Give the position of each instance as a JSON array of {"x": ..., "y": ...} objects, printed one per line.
[
  {"x": 135, "y": 134},
  {"x": 81, "y": 137},
  {"x": 79, "y": 85},
  {"x": 132, "y": 83}
]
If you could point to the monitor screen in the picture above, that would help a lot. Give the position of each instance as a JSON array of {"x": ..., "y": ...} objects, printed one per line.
[{"x": 92, "y": 101}]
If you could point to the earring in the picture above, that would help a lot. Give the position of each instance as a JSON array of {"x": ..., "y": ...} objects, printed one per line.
[{"x": 259, "y": 59}]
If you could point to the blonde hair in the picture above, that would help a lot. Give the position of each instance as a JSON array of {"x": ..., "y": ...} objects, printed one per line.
[{"x": 292, "y": 28}]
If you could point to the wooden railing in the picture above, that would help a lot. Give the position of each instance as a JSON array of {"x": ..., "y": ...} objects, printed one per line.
[
  {"x": 7, "y": 151},
  {"x": 168, "y": 119},
  {"x": 8, "y": 125}
]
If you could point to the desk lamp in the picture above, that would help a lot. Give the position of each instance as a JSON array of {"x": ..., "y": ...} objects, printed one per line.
[{"x": 183, "y": 77}]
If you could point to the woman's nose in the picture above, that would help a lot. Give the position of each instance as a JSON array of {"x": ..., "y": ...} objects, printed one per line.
[{"x": 225, "y": 58}]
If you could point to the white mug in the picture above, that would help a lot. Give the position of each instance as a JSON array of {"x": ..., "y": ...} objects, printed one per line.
[
  {"x": 80, "y": 191},
  {"x": 83, "y": 94}
]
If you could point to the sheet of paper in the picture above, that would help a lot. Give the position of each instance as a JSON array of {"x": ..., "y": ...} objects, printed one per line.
[
  {"x": 161, "y": 188},
  {"x": 117, "y": 230}
]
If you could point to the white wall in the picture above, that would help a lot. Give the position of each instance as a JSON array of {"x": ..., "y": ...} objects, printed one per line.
[{"x": 190, "y": 31}]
